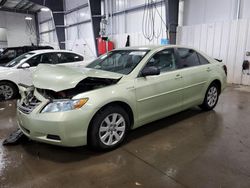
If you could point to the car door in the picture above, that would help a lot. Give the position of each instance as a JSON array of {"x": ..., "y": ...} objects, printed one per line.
[
  {"x": 195, "y": 76},
  {"x": 160, "y": 95},
  {"x": 70, "y": 59},
  {"x": 26, "y": 73}
]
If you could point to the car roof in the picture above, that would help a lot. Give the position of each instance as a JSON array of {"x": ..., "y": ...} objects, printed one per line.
[
  {"x": 21, "y": 47},
  {"x": 152, "y": 47},
  {"x": 55, "y": 51}
]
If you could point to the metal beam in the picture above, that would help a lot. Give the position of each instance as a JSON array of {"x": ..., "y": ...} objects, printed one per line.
[
  {"x": 78, "y": 23},
  {"x": 47, "y": 31},
  {"x": 31, "y": 6},
  {"x": 77, "y": 8},
  {"x": 16, "y": 10},
  {"x": 95, "y": 9},
  {"x": 136, "y": 8},
  {"x": 172, "y": 9},
  {"x": 25, "y": 5},
  {"x": 2, "y": 3},
  {"x": 37, "y": 30},
  {"x": 44, "y": 21},
  {"x": 18, "y": 4}
]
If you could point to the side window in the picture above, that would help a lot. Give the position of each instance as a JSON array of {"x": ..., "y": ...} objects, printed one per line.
[
  {"x": 10, "y": 54},
  {"x": 187, "y": 58},
  {"x": 164, "y": 60},
  {"x": 203, "y": 60},
  {"x": 69, "y": 57},
  {"x": 19, "y": 52},
  {"x": 49, "y": 58},
  {"x": 34, "y": 61}
]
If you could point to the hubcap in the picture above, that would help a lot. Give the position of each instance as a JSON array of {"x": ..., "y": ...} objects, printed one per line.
[
  {"x": 112, "y": 129},
  {"x": 6, "y": 91},
  {"x": 212, "y": 96}
]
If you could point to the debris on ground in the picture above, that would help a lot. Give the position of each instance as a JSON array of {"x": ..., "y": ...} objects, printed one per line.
[{"x": 15, "y": 138}]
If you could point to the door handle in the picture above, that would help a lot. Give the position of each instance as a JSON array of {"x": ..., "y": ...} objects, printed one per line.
[
  {"x": 178, "y": 76},
  {"x": 208, "y": 69}
]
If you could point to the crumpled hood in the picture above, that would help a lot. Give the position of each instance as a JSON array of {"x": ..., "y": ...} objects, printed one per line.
[{"x": 59, "y": 77}]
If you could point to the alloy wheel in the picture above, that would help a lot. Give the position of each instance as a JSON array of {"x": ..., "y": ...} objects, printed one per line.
[
  {"x": 212, "y": 96},
  {"x": 112, "y": 129},
  {"x": 6, "y": 91}
]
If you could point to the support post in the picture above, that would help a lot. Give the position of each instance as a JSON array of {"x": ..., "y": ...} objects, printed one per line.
[
  {"x": 172, "y": 10},
  {"x": 95, "y": 9}
]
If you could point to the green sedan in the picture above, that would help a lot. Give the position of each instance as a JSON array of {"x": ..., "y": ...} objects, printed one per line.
[{"x": 121, "y": 90}]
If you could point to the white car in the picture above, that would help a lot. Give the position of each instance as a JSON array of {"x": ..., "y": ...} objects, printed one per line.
[{"x": 19, "y": 70}]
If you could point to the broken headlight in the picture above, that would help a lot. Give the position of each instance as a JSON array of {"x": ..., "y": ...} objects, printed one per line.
[{"x": 64, "y": 105}]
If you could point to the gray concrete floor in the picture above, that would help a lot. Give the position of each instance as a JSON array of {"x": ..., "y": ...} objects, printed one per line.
[{"x": 190, "y": 149}]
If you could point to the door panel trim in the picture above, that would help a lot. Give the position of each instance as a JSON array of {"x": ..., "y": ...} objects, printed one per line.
[{"x": 165, "y": 93}]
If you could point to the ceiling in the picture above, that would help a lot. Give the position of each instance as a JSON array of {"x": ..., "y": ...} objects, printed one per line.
[{"x": 22, "y": 6}]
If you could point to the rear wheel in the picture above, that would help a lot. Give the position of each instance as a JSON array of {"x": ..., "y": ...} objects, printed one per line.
[
  {"x": 8, "y": 91},
  {"x": 211, "y": 97},
  {"x": 108, "y": 128}
]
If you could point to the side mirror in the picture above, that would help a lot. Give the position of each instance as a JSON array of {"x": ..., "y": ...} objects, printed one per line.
[
  {"x": 25, "y": 66},
  {"x": 150, "y": 71}
]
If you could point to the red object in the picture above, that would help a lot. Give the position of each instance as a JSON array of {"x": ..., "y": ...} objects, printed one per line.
[{"x": 104, "y": 46}]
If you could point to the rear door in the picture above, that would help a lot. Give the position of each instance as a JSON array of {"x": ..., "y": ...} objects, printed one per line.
[
  {"x": 70, "y": 59},
  {"x": 195, "y": 76},
  {"x": 160, "y": 95}
]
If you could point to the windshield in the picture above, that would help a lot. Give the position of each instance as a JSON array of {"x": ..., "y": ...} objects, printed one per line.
[
  {"x": 119, "y": 61},
  {"x": 19, "y": 59}
]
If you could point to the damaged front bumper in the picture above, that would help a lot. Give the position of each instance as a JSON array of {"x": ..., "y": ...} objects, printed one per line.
[{"x": 60, "y": 128}]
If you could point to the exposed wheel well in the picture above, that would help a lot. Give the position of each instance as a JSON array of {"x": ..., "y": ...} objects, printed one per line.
[
  {"x": 125, "y": 106},
  {"x": 218, "y": 83}
]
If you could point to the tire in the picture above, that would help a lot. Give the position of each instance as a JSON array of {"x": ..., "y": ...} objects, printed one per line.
[
  {"x": 211, "y": 97},
  {"x": 104, "y": 134},
  {"x": 8, "y": 90}
]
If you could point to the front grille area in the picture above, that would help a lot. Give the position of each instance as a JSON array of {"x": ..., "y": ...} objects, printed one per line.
[{"x": 28, "y": 104}]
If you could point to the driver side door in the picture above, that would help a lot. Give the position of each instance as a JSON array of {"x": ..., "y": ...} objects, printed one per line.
[{"x": 160, "y": 95}]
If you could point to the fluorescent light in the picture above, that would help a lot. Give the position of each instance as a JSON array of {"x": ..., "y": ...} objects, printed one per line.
[
  {"x": 28, "y": 18},
  {"x": 82, "y": 14},
  {"x": 45, "y": 9}
]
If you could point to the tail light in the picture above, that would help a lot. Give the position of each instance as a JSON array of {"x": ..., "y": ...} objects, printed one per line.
[{"x": 225, "y": 69}]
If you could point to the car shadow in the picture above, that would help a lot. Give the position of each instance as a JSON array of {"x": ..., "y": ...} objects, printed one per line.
[
  {"x": 71, "y": 154},
  {"x": 163, "y": 123}
]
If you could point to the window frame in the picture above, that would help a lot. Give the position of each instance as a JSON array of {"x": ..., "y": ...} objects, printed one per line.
[
  {"x": 197, "y": 53},
  {"x": 173, "y": 48},
  {"x": 71, "y": 53}
]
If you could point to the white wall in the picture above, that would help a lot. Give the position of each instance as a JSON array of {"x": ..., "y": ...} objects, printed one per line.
[
  {"x": 18, "y": 32},
  {"x": 131, "y": 23},
  {"x": 228, "y": 41},
  {"x": 71, "y": 4},
  {"x": 80, "y": 37},
  {"x": 209, "y": 11}
]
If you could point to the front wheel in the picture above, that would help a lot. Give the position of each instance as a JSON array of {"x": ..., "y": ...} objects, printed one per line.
[
  {"x": 108, "y": 128},
  {"x": 211, "y": 97},
  {"x": 8, "y": 90}
]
